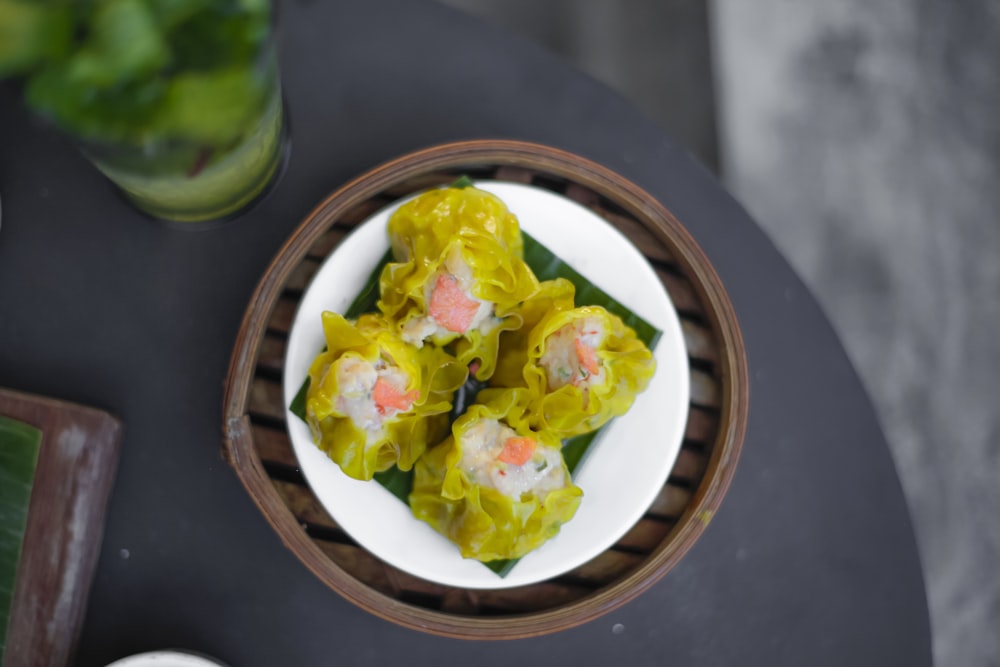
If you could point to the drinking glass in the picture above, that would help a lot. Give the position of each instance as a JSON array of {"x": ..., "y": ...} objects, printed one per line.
[{"x": 177, "y": 102}]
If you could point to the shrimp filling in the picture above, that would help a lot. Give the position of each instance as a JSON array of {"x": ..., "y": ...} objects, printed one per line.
[
  {"x": 451, "y": 306},
  {"x": 372, "y": 394},
  {"x": 571, "y": 355},
  {"x": 495, "y": 456}
]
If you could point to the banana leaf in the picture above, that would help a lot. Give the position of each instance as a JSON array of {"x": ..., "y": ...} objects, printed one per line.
[
  {"x": 547, "y": 266},
  {"x": 19, "y": 445}
]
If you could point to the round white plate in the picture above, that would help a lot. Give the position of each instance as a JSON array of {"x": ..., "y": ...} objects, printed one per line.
[
  {"x": 165, "y": 659},
  {"x": 626, "y": 466}
]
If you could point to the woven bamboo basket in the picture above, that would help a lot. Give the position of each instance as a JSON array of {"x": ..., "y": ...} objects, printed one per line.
[{"x": 257, "y": 446}]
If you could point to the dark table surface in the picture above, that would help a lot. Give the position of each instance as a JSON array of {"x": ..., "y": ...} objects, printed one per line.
[{"x": 810, "y": 561}]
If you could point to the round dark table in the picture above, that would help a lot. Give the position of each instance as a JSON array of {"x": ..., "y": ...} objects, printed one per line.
[{"x": 810, "y": 561}]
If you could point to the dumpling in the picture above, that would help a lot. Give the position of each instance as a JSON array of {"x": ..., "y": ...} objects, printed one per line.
[
  {"x": 496, "y": 488},
  {"x": 583, "y": 367},
  {"x": 423, "y": 226},
  {"x": 552, "y": 296},
  {"x": 459, "y": 274},
  {"x": 374, "y": 401}
]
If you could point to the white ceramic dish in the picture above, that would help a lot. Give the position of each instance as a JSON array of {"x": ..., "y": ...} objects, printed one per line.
[
  {"x": 166, "y": 659},
  {"x": 626, "y": 466}
]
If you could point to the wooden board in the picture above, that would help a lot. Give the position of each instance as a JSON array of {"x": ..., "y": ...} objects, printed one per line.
[{"x": 76, "y": 467}]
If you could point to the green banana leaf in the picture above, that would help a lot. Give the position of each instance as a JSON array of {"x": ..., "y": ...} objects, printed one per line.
[
  {"x": 19, "y": 445},
  {"x": 547, "y": 266}
]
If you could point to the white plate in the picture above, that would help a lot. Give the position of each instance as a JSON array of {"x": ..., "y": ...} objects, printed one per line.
[
  {"x": 166, "y": 659},
  {"x": 625, "y": 468}
]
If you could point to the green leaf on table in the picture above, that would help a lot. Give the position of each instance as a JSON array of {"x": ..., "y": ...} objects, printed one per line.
[
  {"x": 546, "y": 266},
  {"x": 19, "y": 444},
  {"x": 32, "y": 33},
  {"x": 575, "y": 448},
  {"x": 298, "y": 405},
  {"x": 367, "y": 299},
  {"x": 502, "y": 567},
  {"x": 397, "y": 482},
  {"x": 462, "y": 182}
]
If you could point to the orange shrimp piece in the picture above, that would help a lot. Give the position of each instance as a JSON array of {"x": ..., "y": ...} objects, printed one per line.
[
  {"x": 450, "y": 307},
  {"x": 388, "y": 397},
  {"x": 517, "y": 451},
  {"x": 587, "y": 357}
]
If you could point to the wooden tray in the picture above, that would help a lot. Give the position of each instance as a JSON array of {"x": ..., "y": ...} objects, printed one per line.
[
  {"x": 256, "y": 443},
  {"x": 76, "y": 467}
]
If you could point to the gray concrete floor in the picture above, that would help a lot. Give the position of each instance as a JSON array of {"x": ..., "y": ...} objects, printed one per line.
[{"x": 864, "y": 138}]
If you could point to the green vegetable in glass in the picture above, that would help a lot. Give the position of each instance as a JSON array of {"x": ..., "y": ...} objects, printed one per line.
[{"x": 178, "y": 102}]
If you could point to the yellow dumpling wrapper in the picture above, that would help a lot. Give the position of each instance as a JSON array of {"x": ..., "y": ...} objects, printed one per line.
[
  {"x": 583, "y": 367},
  {"x": 423, "y": 226},
  {"x": 552, "y": 296},
  {"x": 374, "y": 401},
  {"x": 459, "y": 275},
  {"x": 492, "y": 509}
]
